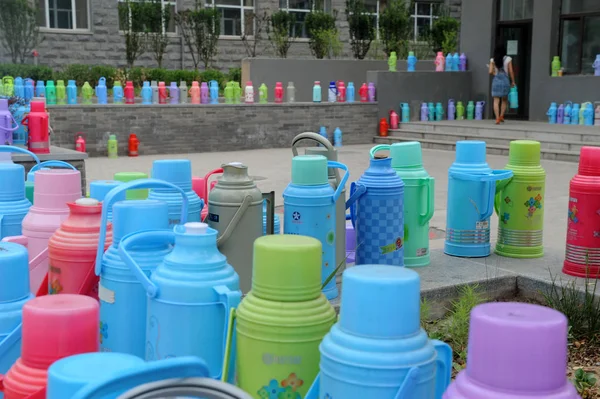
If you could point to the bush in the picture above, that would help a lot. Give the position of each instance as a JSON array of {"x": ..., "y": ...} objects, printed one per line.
[
  {"x": 394, "y": 28},
  {"x": 322, "y": 33},
  {"x": 213, "y": 74},
  {"x": 234, "y": 75},
  {"x": 26, "y": 71},
  {"x": 443, "y": 35}
]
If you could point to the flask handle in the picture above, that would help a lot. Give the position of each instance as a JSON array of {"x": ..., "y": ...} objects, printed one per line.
[
  {"x": 490, "y": 178},
  {"x": 229, "y": 357},
  {"x": 319, "y": 139},
  {"x": 408, "y": 385},
  {"x": 11, "y": 129},
  {"x": 356, "y": 191},
  {"x": 237, "y": 217},
  {"x": 231, "y": 299},
  {"x": 443, "y": 362},
  {"x": 313, "y": 391},
  {"x": 270, "y": 199},
  {"x": 379, "y": 147},
  {"x": 342, "y": 183},
  {"x": 10, "y": 148},
  {"x": 429, "y": 184},
  {"x": 60, "y": 164},
  {"x": 189, "y": 387},
  {"x": 178, "y": 367},
  {"x": 160, "y": 236},
  {"x": 112, "y": 195},
  {"x": 206, "y": 185}
]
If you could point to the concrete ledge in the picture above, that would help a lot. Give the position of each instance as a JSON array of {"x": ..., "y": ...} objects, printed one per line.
[
  {"x": 176, "y": 129},
  {"x": 304, "y": 72}
]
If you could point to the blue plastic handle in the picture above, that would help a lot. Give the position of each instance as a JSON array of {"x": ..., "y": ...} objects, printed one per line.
[
  {"x": 41, "y": 165},
  {"x": 178, "y": 367},
  {"x": 313, "y": 391},
  {"x": 407, "y": 388},
  {"x": 11, "y": 339},
  {"x": 494, "y": 176},
  {"x": 356, "y": 191},
  {"x": 110, "y": 197},
  {"x": 10, "y": 148},
  {"x": 342, "y": 185},
  {"x": 158, "y": 236},
  {"x": 443, "y": 372}
]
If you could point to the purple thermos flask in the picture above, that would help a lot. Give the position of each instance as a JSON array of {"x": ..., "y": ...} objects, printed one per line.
[{"x": 204, "y": 97}]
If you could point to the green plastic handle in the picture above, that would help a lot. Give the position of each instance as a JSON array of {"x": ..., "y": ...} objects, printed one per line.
[
  {"x": 230, "y": 355},
  {"x": 429, "y": 185},
  {"x": 379, "y": 147}
]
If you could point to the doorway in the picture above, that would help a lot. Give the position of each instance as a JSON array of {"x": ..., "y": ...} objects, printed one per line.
[{"x": 516, "y": 36}]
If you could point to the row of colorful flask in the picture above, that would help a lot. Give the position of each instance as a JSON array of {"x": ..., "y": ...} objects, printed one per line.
[
  {"x": 448, "y": 63},
  {"x": 515, "y": 193},
  {"x": 435, "y": 112},
  {"x": 573, "y": 114}
]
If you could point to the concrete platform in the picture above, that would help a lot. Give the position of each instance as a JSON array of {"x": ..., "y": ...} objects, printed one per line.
[
  {"x": 559, "y": 142},
  {"x": 499, "y": 277}
]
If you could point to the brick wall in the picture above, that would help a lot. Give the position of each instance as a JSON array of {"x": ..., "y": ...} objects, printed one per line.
[
  {"x": 104, "y": 45},
  {"x": 187, "y": 129}
]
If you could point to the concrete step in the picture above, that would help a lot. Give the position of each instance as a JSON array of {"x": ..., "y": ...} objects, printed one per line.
[
  {"x": 522, "y": 130},
  {"x": 495, "y": 149},
  {"x": 550, "y": 144}
]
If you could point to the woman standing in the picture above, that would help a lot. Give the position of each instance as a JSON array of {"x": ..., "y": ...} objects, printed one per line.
[{"x": 504, "y": 78}]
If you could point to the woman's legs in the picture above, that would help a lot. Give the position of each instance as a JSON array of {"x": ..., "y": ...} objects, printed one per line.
[
  {"x": 497, "y": 109},
  {"x": 503, "y": 108}
]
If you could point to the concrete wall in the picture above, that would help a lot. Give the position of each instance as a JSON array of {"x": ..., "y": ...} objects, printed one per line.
[
  {"x": 305, "y": 72},
  {"x": 477, "y": 41},
  {"x": 104, "y": 45},
  {"x": 414, "y": 88},
  {"x": 545, "y": 89},
  {"x": 173, "y": 129}
]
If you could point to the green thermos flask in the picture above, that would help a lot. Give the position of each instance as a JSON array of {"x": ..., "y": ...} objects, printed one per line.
[
  {"x": 282, "y": 321},
  {"x": 460, "y": 111},
  {"x": 519, "y": 203},
  {"x": 470, "y": 110},
  {"x": 419, "y": 197}
]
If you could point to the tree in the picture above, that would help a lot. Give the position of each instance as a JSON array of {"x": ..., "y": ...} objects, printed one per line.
[
  {"x": 443, "y": 35},
  {"x": 200, "y": 28},
  {"x": 157, "y": 20},
  {"x": 394, "y": 28},
  {"x": 132, "y": 22},
  {"x": 322, "y": 33},
  {"x": 280, "y": 32},
  {"x": 253, "y": 39},
  {"x": 361, "y": 26},
  {"x": 19, "y": 31}
]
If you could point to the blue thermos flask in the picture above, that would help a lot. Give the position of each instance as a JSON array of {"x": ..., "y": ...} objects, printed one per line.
[
  {"x": 377, "y": 212},
  {"x": 177, "y": 377},
  {"x": 14, "y": 293},
  {"x": 191, "y": 294},
  {"x": 568, "y": 110},
  {"x": 71, "y": 92},
  {"x": 29, "y": 89},
  {"x": 309, "y": 209},
  {"x": 378, "y": 349},
  {"x": 118, "y": 93},
  {"x": 146, "y": 93},
  {"x": 40, "y": 89},
  {"x": 405, "y": 108},
  {"x": 471, "y": 191},
  {"x": 551, "y": 114},
  {"x": 19, "y": 87},
  {"x": 179, "y": 173},
  {"x": 14, "y": 205},
  {"x": 122, "y": 297},
  {"x": 101, "y": 91},
  {"x": 350, "y": 92},
  {"x": 575, "y": 114},
  {"x": 214, "y": 92},
  {"x": 431, "y": 114},
  {"x": 99, "y": 189}
]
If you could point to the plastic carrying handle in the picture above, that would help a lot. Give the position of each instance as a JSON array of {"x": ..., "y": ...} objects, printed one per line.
[
  {"x": 443, "y": 363},
  {"x": 356, "y": 191},
  {"x": 489, "y": 178},
  {"x": 186, "y": 387},
  {"x": 60, "y": 164},
  {"x": 178, "y": 367},
  {"x": 206, "y": 178},
  {"x": 379, "y": 147},
  {"x": 342, "y": 183},
  {"x": 319, "y": 139},
  {"x": 10, "y": 148},
  {"x": 110, "y": 198},
  {"x": 11, "y": 129}
]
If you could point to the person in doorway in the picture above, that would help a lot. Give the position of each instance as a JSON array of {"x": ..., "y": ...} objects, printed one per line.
[{"x": 504, "y": 78}]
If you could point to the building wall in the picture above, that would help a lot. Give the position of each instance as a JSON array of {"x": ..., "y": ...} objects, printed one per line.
[
  {"x": 477, "y": 41},
  {"x": 104, "y": 45}
]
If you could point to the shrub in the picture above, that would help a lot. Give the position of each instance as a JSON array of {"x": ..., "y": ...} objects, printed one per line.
[
  {"x": 361, "y": 27},
  {"x": 443, "y": 35},
  {"x": 235, "y": 74},
  {"x": 279, "y": 31},
  {"x": 394, "y": 28},
  {"x": 322, "y": 33},
  {"x": 26, "y": 71},
  {"x": 213, "y": 74}
]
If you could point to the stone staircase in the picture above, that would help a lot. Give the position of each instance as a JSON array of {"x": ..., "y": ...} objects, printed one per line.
[{"x": 559, "y": 142}]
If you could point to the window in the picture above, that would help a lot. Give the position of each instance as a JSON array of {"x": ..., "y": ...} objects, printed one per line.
[
  {"x": 299, "y": 9},
  {"x": 63, "y": 14},
  {"x": 423, "y": 16},
  {"x": 515, "y": 10},
  {"x": 236, "y": 16},
  {"x": 171, "y": 5},
  {"x": 579, "y": 35}
]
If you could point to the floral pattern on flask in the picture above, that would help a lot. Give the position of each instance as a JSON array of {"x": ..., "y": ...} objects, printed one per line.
[{"x": 284, "y": 390}]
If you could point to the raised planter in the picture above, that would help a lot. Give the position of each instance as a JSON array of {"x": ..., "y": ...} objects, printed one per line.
[{"x": 173, "y": 129}]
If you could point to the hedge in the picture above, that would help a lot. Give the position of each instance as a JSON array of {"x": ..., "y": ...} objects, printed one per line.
[{"x": 92, "y": 73}]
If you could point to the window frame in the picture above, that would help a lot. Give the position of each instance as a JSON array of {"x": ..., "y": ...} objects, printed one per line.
[
  {"x": 581, "y": 17},
  {"x": 326, "y": 8},
  {"x": 46, "y": 27},
  {"x": 414, "y": 16},
  {"x": 163, "y": 4},
  {"x": 242, "y": 8}
]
